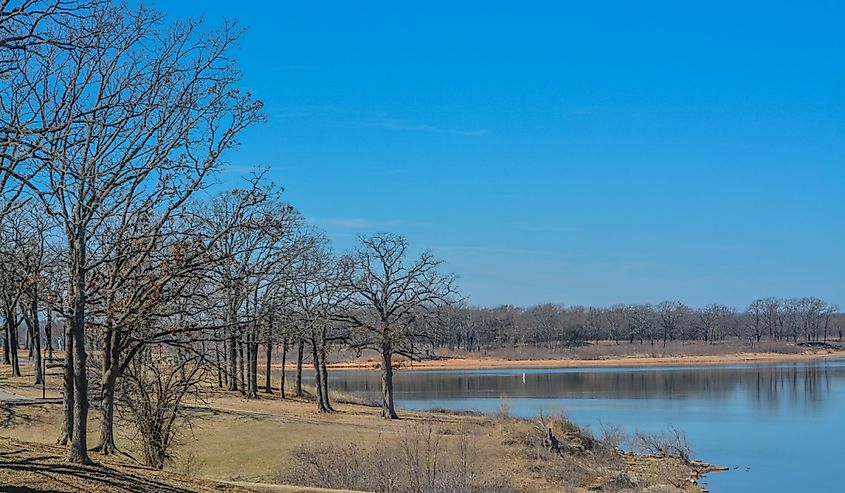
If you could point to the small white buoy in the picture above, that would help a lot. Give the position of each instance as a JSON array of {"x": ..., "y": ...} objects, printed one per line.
[{"x": 523, "y": 377}]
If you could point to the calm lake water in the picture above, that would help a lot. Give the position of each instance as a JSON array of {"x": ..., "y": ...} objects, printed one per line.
[{"x": 782, "y": 426}]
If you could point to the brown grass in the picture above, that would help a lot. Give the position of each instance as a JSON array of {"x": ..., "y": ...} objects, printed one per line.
[
  {"x": 40, "y": 467},
  {"x": 257, "y": 441},
  {"x": 609, "y": 354}
]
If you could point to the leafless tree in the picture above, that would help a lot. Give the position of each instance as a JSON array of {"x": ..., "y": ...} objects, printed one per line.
[
  {"x": 148, "y": 272},
  {"x": 394, "y": 302},
  {"x": 505, "y": 326},
  {"x": 814, "y": 317},
  {"x": 22, "y": 257},
  {"x": 252, "y": 256},
  {"x": 615, "y": 317},
  {"x": 756, "y": 321},
  {"x": 26, "y": 24},
  {"x": 27, "y": 28},
  {"x": 641, "y": 322},
  {"x": 545, "y": 323},
  {"x": 152, "y": 394},
  {"x": 320, "y": 292},
  {"x": 672, "y": 315},
  {"x": 135, "y": 114}
]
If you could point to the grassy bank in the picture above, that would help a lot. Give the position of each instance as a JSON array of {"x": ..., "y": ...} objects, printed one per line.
[
  {"x": 271, "y": 441},
  {"x": 605, "y": 354}
]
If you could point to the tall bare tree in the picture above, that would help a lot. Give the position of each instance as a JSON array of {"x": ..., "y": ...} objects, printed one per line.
[
  {"x": 251, "y": 255},
  {"x": 137, "y": 115},
  {"x": 319, "y": 294},
  {"x": 22, "y": 255},
  {"x": 395, "y": 302}
]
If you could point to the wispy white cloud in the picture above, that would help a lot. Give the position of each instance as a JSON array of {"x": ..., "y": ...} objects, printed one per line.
[
  {"x": 349, "y": 117},
  {"x": 474, "y": 249},
  {"x": 549, "y": 228},
  {"x": 394, "y": 124},
  {"x": 354, "y": 223}
]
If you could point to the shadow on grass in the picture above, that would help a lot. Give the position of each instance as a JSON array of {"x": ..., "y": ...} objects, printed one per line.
[
  {"x": 13, "y": 415},
  {"x": 52, "y": 469},
  {"x": 25, "y": 489}
]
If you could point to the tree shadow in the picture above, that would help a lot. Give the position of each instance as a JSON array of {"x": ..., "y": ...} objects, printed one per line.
[
  {"x": 52, "y": 469},
  {"x": 25, "y": 489}
]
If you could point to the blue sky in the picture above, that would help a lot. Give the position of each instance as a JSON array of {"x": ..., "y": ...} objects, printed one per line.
[{"x": 567, "y": 152}]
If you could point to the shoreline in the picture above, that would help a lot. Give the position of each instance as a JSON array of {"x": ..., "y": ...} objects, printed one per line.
[{"x": 486, "y": 363}]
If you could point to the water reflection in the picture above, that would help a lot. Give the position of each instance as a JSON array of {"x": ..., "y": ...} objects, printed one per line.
[
  {"x": 768, "y": 421},
  {"x": 799, "y": 385}
]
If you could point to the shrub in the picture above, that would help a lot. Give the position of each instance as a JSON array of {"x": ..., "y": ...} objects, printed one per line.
[
  {"x": 420, "y": 460},
  {"x": 664, "y": 444}
]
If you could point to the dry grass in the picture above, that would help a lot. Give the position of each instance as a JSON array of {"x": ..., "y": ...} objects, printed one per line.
[
  {"x": 40, "y": 467},
  {"x": 257, "y": 441},
  {"x": 603, "y": 350},
  {"x": 610, "y": 354},
  {"x": 675, "y": 349}
]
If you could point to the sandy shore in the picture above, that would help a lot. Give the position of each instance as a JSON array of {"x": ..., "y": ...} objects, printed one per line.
[{"x": 482, "y": 363}]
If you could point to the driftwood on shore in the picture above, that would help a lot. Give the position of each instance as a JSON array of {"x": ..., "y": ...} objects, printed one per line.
[{"x": 557, "y": 447}]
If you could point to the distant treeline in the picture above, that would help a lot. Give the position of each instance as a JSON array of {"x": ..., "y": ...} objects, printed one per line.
[{"x": 553, "y": 326}]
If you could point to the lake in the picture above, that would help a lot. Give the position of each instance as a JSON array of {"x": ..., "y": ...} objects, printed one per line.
[{"x": 780, "y": 427}]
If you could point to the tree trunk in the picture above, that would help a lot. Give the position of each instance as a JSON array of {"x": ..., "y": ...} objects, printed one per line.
[
  {"x": 251, "y": 367},
  {"x": 324, "y": 375},
  {"x": 48, "y": 333},
  {"x": 232, "y": 351},
  {"x": 284, "y": 361},
  {"x": 255, "y": 367},
  {"x": 79, "y": 441},
  {"x": 217, "y": 363},
  {"x": 6, "y": 359},
  {"x": 324, "y": 372},
  {"x": 107, "y": 445},
  {"x": 111, "y": 365},
  {"x": 12, "y": 328},
  {"x": 321, "y": 405},
  {"x": 36, "y": 337},
  {"x": 299, "y": 354},
  {"x": 268, "y": 389},
  {"x": 388, "y": 410},
  {"x": 67, "y": 383},
  {"x": 240, "y": 375}
]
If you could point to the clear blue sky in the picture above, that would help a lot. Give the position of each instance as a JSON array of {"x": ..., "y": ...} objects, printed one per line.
[{"x": 567, "y": 152}]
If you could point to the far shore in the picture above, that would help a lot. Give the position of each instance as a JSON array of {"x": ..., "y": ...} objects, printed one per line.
[{"x": 492, "y": 363}]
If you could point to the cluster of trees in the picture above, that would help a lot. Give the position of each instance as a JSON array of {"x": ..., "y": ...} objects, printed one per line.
[
  {"x": 120, "y": 252},
  {"x": 113, "y": 125},
  {"x": 552, "y": 326}
]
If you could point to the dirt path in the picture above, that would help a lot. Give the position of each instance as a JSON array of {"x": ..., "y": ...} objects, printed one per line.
[
  {"x": 6, "y": 396},
  {"x": 11, "y": 399}
]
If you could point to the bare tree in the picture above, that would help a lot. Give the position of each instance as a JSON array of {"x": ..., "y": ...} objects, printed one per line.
[
  {"x": 394, "y": 303},
  {"x": 27, "y": 29},
  {"x": 137, "y": 115},
  {"x": 152, "y": 395},
  {"x": 641, "y": 322},
  {"x": 26, "y": 24},
  {"x": 672, "y": 316},
  {"x": 319, "y": 293},
  {"x": 252, "y": 256},
  {"x": 21, "y": 275},
  {"x": 147, "y": 271}
]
